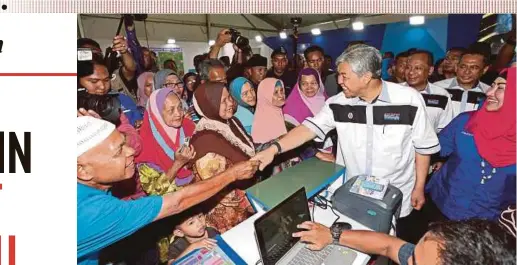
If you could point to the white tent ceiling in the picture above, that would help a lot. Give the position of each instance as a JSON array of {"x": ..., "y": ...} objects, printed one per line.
[{"x": 201, "y": 28}]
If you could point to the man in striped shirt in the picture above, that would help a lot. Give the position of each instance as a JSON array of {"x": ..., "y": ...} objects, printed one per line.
[
  {"x": 437, "y": 100},
  {"x": 467, "y": 92}
]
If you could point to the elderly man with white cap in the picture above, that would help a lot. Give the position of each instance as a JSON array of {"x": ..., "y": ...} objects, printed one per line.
[{"x": 104, "y": 158}]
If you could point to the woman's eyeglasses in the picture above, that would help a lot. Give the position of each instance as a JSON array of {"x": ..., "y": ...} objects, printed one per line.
[{"x": 172, "y": 85}]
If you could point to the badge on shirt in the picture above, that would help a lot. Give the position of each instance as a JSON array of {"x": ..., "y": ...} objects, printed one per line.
[
  {"x": 392, "y": 116},
  {"x": 433, "y": 102}
]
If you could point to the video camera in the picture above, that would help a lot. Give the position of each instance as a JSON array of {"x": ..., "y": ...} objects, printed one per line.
[
  {"x": 296, "y": 21},
  {"x": 107, "y": 106},
  {"x": 240, "y": 41}
]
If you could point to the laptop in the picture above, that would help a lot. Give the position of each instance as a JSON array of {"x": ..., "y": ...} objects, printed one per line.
[{"x": 274, "y": 232}]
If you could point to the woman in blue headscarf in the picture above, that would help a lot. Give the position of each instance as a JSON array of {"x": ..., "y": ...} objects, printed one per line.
[{"x": 242, "y": 91}]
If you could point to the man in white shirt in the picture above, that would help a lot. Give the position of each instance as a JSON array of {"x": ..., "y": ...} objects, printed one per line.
[
  {"x": 467, "y": 92},
  {"x": 382, "y": 127},
  {"x": 437, "y": 100}
]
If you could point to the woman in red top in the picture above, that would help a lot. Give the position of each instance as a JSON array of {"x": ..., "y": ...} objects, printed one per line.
[{"x": 165, "y": 150}]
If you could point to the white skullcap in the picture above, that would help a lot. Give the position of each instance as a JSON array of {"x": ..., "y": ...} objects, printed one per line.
[{"x": 91, "y": 132}]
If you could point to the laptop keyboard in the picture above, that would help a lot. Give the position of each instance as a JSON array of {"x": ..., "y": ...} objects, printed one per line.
[
  {"x": 308, "y": 257},
  {"x": 277, "y": 253}
]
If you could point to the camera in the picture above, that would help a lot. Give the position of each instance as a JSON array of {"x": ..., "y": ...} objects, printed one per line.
[
  {"x": 107, "y": 106},
  {"x": 239, "y": 40},
  {"x": 296, "y": 21}
]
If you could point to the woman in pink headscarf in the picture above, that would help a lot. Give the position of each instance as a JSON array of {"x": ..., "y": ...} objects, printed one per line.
[
  {"x": 269, "y": 123},
  {"x": 145, "y": 88},
  {"x": 306, "y": 100}
]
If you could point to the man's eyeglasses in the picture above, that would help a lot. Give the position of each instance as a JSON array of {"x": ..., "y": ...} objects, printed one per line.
[{"x": 172, "y": 85}]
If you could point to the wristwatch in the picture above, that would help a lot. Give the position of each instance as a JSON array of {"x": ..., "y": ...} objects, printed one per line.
[
  {"x": 336, "y": 229},
  {"x": 278, "y": 147}
]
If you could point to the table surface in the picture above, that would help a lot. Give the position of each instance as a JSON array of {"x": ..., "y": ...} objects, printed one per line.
[{"x": 242, "y": 237}]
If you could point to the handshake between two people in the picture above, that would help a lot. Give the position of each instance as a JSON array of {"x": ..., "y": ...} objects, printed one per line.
[
  {"x": 247, "y": 169},
  {"x": 240, "y": 171}
]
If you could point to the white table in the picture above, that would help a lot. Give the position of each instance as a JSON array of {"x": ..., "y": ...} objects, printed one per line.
[{"x": 242, "y": 237}]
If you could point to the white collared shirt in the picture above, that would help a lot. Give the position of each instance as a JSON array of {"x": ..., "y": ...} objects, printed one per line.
[
  {"x": 464, "y": 100},
  {"x": 379, "y": 138},
  {"x": 438, "y": 104}
]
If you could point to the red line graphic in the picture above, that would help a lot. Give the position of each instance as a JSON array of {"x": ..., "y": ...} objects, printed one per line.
[
  {"x": 0, "y": 250},
  {"x": 38, "y": 74},
  {"x": 12, "y": 252}
]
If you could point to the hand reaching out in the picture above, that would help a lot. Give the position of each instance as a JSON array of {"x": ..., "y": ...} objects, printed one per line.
[
  {"x": 265, "y": 157},
  {"x": 82, "y": 112},
  {"x": 184, "y": 155}
]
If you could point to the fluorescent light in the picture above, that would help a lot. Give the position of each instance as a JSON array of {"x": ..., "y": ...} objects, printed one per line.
[
  {"x": 171, "y": 41},
  {"x": 358, "y": 25},
  {"x": 316, "y": 31},
  {"x": 211, "y": 42},
  {"x": 283, "y": 35},
  {"x": 416, "y": 20},
  {"x": 258, "y": 38}
]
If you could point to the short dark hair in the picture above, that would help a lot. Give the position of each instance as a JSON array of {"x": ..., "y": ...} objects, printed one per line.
[
  {"x": 482, "y": 48},
  {"x": 206, "y": 66},
  {"x": 410, "y": 50},
  {"x": 437, "y": 64},
  {"x": 401, "y": 55},
  {"x": 430, "y": 57},
  {"x": 457, "y": 49},
  {"x": 313, "y": 48},
  {"x": 225, "y": 60},
  {"x": 473, "y": 242},
  {"x": 197, "y": 61},
  {"x": 480, "y": 52},
  {"x": 86, "y": 41},
  {"x": 180, "y": 218},
  {"x": 328, "y": 56},
  {"x": 168, "y": 61}
]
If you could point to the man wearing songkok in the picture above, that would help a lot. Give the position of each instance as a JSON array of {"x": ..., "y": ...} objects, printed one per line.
[{"x": 104, "y": 158}]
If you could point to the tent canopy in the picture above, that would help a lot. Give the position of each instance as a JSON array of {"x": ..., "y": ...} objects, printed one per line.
[{"x": 204, "y": 27}]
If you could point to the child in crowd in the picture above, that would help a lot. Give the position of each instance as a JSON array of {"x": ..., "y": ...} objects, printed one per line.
[{"x": 191, "y": 233}]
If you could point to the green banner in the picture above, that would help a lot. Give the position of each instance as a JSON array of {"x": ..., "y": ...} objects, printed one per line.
[{"x": 175, "y": 54}]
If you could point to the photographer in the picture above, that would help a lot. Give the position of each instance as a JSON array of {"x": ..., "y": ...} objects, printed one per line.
[
  {"x": 241, "y": 56},
  {"x": 124, "y": 79},
  {"x": 94, "y": 77},
  {"x": 223, "y": 38},
  {"x": 104, "y": 158}
]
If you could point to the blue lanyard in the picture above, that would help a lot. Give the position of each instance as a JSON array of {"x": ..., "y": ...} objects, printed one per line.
[{"x": 166, "y": 148}]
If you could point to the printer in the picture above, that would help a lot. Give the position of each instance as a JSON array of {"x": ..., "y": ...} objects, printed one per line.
[{"x": 373, "y": 213}]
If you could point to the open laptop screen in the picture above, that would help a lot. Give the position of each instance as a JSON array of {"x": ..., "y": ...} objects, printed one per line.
[{"x": 275, "y": 228}]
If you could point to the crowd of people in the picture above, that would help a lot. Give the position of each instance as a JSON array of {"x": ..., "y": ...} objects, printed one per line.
[{"x": 170, "y": 173}]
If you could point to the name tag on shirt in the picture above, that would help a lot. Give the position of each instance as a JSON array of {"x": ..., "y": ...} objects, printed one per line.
[{"x": 437, "y": 101}]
